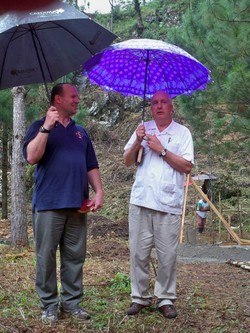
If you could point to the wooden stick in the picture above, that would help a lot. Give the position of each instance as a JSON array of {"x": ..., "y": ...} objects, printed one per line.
[
  {"x": 226, "y": 224},
  {"x": 184, "y": 208},
  {"x": 220, "y": 210}
]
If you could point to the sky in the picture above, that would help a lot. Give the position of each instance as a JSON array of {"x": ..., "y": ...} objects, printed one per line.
[{"x": 102, "y": 6}]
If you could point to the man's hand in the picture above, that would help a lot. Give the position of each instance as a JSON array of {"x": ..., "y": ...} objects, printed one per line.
[
  {"x": 140, "y": 133},
  {"x": 52, "y": 117},
  {"x": 154, "y": 143}
]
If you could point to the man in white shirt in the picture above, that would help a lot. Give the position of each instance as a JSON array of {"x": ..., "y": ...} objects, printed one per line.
[{"x": 156, "y": 203}]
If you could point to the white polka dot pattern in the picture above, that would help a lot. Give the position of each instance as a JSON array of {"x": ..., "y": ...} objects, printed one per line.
[{"x": 143, "y": 66}]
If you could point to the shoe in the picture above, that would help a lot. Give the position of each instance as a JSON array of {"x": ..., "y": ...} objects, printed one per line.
[
  {"x": 168, "y": 311},
  {"x": 50, "y": 315},
  {"x": 78, "y": 313},
  {"x": 135, "y": 308}
]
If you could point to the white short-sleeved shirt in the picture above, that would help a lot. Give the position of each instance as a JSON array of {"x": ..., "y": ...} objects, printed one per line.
[{"x": 157, "y": 185}]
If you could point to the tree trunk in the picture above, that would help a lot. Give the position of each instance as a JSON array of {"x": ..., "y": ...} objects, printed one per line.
[
  {"x": 111, "y": 2},
  {"x": 19, "y": 235},
  {"x": 5, "y": 168},
  {"x": 139, "y": 18}
]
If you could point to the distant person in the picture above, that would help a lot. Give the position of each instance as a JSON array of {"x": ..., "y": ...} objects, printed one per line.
[
  {"x": 66, "y": 164},
  {"x": 201, "y": 214},
  {"x": 156, "y": 203}
]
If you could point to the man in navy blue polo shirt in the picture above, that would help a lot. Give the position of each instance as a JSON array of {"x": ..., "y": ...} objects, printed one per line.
[{"x": 66, "y": 165}]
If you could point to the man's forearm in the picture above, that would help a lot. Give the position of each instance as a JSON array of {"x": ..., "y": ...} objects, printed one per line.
[
  {"x": 130, "y": 155},
  {"x": 36, "y": 148}
]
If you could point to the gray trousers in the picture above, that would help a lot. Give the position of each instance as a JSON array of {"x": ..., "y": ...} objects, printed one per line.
[
  {"x": 148, "y": 227},
  {"x": 67, "y": 229}
]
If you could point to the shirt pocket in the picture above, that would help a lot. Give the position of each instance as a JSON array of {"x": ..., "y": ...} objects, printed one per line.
[
  {"x": 171, "y": 195},
  {"x": 174, "y": 147}
]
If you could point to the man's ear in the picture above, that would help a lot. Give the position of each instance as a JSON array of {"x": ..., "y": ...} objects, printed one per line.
[{"x": 57, "y": 98}]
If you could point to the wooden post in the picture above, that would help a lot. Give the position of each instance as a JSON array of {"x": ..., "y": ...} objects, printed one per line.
[
  {"x": 229, "y": 223},
  {"x": 184, "y": 207},
  {"x": 240, "y": 221},
  {"x": 220, "y": 210}
]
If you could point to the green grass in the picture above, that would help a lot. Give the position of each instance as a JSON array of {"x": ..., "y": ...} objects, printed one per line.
[{"x": 211, "y": 298}]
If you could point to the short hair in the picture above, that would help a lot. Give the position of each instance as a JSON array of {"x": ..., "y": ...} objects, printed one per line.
[{"x": 57, "y": 90}]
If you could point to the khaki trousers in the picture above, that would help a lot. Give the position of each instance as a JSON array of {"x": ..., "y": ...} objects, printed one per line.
[{"x": 148, "y": 228}]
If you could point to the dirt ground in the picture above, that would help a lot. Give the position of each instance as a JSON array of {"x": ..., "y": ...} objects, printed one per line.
[
  {"x": 212, "y": 295},
  {"x": 207, "y": 284}
]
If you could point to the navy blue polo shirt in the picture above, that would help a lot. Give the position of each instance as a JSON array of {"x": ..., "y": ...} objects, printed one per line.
[{"x": 61, "y": 176}]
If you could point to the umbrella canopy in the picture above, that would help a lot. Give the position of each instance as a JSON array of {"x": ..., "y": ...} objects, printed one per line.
[
  {"x": 141, "y": 67},
  {"x": 43, "y": 45},
  {"x": 17, "y": 5}
]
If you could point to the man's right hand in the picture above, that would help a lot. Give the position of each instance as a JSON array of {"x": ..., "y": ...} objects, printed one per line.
[
  {"x": 140, "y": 133},
  {"x": 52, "y": 117}
]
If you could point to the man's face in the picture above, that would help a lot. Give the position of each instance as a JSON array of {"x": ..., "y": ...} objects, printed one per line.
[
  {"x": 69, "y": 100},
  {"x": 161, "y": 106}
]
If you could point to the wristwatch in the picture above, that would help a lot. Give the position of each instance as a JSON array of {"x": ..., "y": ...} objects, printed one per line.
[
  {"x": 43, "y": 130},
  {"x": 163, "y": 153}
]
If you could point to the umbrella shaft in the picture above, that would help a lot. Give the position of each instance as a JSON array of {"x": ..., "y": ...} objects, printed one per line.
[{"x": 145, "y": 86}]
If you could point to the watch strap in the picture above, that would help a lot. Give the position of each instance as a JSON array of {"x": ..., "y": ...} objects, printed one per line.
[
  {"x": 163, "y": 153},
  {"x": 44, "y": 130}
]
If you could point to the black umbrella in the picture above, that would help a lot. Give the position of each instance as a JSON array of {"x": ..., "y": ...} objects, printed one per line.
[{"x": 43, "y": 45}]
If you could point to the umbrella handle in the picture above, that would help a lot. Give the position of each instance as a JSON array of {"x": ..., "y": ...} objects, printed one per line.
[
  {"x": 139, "y": 156},
  {"x": 140, "y": 152}
]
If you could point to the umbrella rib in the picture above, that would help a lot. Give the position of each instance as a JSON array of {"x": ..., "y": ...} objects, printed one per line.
[
  {"x": 191, "y": 72},
  {"x": 34, "y": 38},
  {"x": 177, "y": 74},
  {"x": 59, "y": 25},
  {"x": 56, "y": 26},
  {"x": 117, "y": 75},
  {"x": 164, "y": 73},
  {"x": 132, "y": 78},
  {"x": 5, "y": 54}
]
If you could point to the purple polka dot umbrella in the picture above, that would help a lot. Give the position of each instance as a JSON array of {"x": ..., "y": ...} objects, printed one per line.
[{"x": 140, "y": 67}]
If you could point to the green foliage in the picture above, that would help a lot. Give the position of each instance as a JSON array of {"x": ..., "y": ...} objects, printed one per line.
[
  {"x": 29, "y": 180},
  {"x": 81, "y": 115},
  {"x": 120, "y": 283},
  {"x": 216, "y": 34},
  {"x": 36, "y": 102},
  {"x": 6, "y": 110},
  {"x": 226, "y": 187}
]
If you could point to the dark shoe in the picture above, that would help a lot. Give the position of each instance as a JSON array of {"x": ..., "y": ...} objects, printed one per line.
[
  {"x": 200, "y": 230},
  {"x": 168, "y": 311},
  {"x": 77, "y": 313},
  {"x": 135, "y": 308},
  {"x": 50, "y": 315}
]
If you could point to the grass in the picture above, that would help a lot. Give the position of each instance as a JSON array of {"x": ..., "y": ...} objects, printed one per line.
[{"x": 211, "y": 297}]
